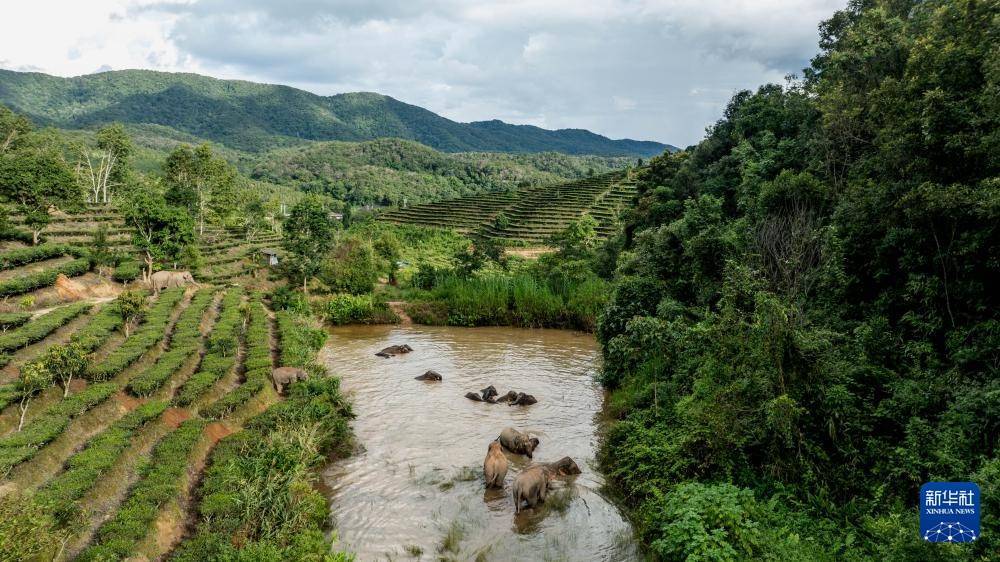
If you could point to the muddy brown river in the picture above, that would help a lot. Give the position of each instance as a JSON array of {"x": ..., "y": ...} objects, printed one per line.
[{"x": 416, "y": 490}]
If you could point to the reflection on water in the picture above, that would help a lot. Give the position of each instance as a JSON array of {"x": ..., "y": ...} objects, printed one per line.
[{"x": 416, "y": 491}]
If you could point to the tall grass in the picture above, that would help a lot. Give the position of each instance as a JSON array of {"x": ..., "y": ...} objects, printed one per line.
[{"x": 518, "y": 299}]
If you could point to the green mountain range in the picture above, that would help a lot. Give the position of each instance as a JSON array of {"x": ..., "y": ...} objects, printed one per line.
[{"x": 257, "y": 117}]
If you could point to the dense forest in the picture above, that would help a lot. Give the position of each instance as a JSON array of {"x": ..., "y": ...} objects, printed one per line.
[
  {"x": 398, "y": 172},
  {"x": 803, "y": 327},
  {"x": 256, "y": 117}
]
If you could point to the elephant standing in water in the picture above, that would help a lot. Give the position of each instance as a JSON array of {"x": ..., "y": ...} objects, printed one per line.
[
  {"x": 169, "y": 279},
  {"x": 495, "y": 466},
  {"x": 532, "y": 485}
]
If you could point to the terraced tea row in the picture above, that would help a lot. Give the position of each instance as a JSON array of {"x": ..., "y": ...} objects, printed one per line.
[{"x": 530, "y": 215}]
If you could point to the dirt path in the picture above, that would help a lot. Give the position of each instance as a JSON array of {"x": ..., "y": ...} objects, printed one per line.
[
  {"x": 399, "y": 308},
  {"x": 529, "y": 253}
]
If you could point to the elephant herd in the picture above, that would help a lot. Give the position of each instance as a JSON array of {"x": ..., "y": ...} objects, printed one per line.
[{"x": 531, "y": 485}]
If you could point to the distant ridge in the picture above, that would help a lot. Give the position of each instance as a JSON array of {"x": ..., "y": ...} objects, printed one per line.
[{"x": 256, "y": 117}]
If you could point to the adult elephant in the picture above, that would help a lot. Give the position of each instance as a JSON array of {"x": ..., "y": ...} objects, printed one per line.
[{"x": 169, "y": 279}]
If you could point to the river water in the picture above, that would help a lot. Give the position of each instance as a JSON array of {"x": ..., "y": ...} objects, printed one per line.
[{"x": 415, "y": 490}]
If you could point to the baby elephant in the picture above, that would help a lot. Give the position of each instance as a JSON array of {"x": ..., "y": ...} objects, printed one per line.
[
  {"x": 517, "y": 442},
  {"x": 532, "y": 484},
  {"x": 429, "y": 376},
  {"x": 394, "y": 350},
  {"x": 283, "y": 376},
  {"x": 495, "y": 466}
]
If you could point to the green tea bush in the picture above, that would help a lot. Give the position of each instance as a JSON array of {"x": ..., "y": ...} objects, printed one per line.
[
  {"x": 21, "y": 446},
  {"x": 61, "y": 494},
  {"x": 39, "y": 328},
  {"x": 183, "y": 344},
  {"x": 10, "y": 320},
  {"x": 127, "y": 270},
  {"x": 45, "y": 278},
  {"x": 24, "y": 256},
  {"x": 256, "y": 363},
  {"x": 99, "y": 329},
  {"x": 145, "y": 337},
  {"x": 356, "y": 309},
  {"x": 221, "y": 351},
  {"x": 159, "y": 482}
]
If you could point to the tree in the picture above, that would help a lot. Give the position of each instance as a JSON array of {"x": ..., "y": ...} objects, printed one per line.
[
  {"x": 162, "y": 232},
  {"x": 309, "y": 236},
  {"x": 103, "y": 170},
  {"x": 200, "y": 182},
  {"x": 35, "y": 178},
  {"x": 130, "y": 306},
  {"x": 64, "y": 363},
  {"x": 34, "y": 378},
  {"x": 13, "y": 126}
]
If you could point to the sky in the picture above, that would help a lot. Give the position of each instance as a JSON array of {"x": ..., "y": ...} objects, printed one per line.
[{"x": 644, "y": 69}]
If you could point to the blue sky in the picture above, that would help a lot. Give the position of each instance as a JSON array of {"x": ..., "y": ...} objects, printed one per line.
[{"x": 645, "y": 69}]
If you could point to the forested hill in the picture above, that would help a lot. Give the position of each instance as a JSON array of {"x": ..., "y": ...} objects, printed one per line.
[
  {"x": 396, "y": 171},
  {"x": 255, "y": 117}
]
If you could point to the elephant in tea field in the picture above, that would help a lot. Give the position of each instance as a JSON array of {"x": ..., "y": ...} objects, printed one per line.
[
  {"x": 284, "y": 376},
  {"x": 169, "y": 279}
]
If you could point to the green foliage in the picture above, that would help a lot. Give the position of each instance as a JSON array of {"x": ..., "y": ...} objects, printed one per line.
[
  {"x": 9, "y": 320},
  {"x": 300, "y": 337},
  {"x": 352, "y": 267},
  {"x": 161, "y": 231},
  {"x": 221, "y": 347},
  {"x": 309, "y": 236},
  {"x": 256, "y": 363},
  {"x": 802, "y": 327},
  {"x": 64, "y": 363},
  {"x": 44, "y": 278},
  {"x": 39, "y": 328},
  {"x": 127, "y": 270},
  {"x": 27, "y": 531},
  {"x": 34, "y": 176},
  {"x": 129, "y": 305},
  {"x": 159, "y": 482},
  {"x": 183, "y": 345},
  {"x": 355, "y": 309},
  {"x": 60, "y": 496},
  {"x": 98, "y": 330},
  {"x": 258, "y": 501},
  {"x": 146, "y": 336},
  {"x": 21, "y": 446},
  {"x": 23, "y": 256},
  {"x": 200, "y": 182}
]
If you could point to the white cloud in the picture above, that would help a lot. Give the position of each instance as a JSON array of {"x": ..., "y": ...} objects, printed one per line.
[{"x": 651, "y": 69}]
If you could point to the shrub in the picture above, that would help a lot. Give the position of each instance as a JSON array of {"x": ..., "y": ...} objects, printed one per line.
[
  {"x": 10, "y": 320},
  {"x": 45, "y": 278},
  {"x": 146, "y": 336},
  {"x": 39, "y": 328},
  {"x": 257, "y": 365},
  {"x": 183, "y": 344},
  {"x": 356, "y": 309},
  {"x": 24, "y": 256},
  {"x": 221, "y": 351},
  {"x": 159, "y": 482},
  {"x": 431, "y": 313},
  {"x": 61, "y": 494},
  {"x": 127, "y": 270},
  {"x": 21, "y": 446},
  {"x": 98, "y": 330}
]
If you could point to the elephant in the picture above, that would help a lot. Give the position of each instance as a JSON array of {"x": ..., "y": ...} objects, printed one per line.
[
  {"x": 517, "y": 442},
  {"x": 562, "y": 467},
  {"x": 473, "y": 396},
  {"x": 495, "y": 465},
  {"x": 283, "y": 376},
  {"x": 522, "y": 399},
  {"x": 530, "y": 487},
  {"x": 394, "y": 350},
  {"x": 517, "y": 399},
  {"x": 429, "y": 376},
  {"x": 532, "y": 484},
  {"x": 169, "y": 279},
  {"x": 489, "y": 393}
]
